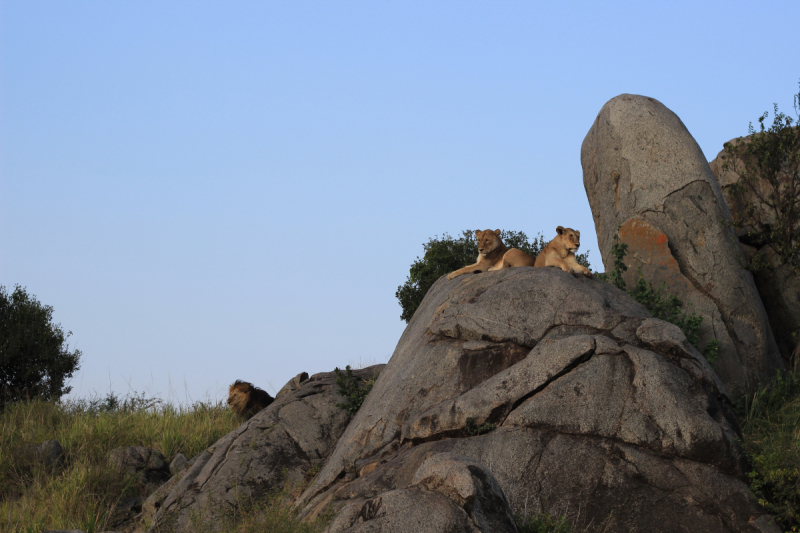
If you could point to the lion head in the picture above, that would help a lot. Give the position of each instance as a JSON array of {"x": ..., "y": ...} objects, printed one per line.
[
  {"x": 488, "y": 240},
  {"x": 246, "y": 399},
  {"x": 570, "y": 238}
]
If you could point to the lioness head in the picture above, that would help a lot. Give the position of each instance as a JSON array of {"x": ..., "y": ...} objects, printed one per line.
[
  {"x": 570, "y": 238},
  {"x": 488, "y": 240},
  {"x": 246, "y": 399}
]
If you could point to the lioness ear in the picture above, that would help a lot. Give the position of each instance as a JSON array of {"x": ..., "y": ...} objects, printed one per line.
[
  {"x": 477, "y": 233},
  {"x": 578, "y": 233},
  {"x": 560, "y": 230},
  {"x": 497, "y": 232}
]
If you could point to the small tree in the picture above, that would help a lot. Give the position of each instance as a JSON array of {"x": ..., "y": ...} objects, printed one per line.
[
  {"x": 447, "y": 254},
  {"x": 34, "y": 357},
  {"x": 767, "y": 163}
]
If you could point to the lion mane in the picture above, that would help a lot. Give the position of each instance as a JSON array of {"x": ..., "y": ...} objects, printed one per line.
[{"x": 246, "y": 399}]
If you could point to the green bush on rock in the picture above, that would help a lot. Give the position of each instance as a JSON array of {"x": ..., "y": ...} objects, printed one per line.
[{"x": 351, "y": 389}]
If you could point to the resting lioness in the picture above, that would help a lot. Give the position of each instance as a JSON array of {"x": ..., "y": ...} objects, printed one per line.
[
  {"x": 560, "y": 252},
  {"x": 493, "y": 255}
]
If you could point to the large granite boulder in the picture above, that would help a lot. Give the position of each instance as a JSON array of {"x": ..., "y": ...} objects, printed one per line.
[
  {"x": 539, "y": 391},
  {"x": 649, "y": 184},
  {"x": 274, "y": 449},
  {"x": 777, "y": 283}
]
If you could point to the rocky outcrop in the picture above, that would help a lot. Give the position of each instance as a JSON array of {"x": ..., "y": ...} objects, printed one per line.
[
  {"x": 727, "y": 178},
  {"x": 276, "y": 448},
  {"x": 551, "y": 392},
  {"x": 292, "y": 385},
  {"x": 646, "y": 176},
  {"x": 149, "y": 465},
  {"x": 51, "y": 453},
  {"x": 448, "y": 492},
  {"x": 777, "y": 283},
  {"x": 779, "y": 287}
]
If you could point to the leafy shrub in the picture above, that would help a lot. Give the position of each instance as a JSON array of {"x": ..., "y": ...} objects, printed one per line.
[
  {"x": 769, "y": 419},
  {"x": 351, "y": 389},
  {"x": 447, "y": 254},
  {"x": 34, "y": 357},
  {"x": 667, "y": 307},
  {"x": 473, "y": 430},
  {"x": 767, "y": 163}
]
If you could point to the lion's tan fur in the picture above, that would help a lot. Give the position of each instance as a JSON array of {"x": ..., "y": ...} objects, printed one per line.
[
  {"x": 494, "y": 255},
  {"x": 561, "y": 251},
  {"x": 246, "y": 399}
]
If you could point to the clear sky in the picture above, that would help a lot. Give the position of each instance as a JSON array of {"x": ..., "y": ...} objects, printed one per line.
[{"x": 211, "y": 191}]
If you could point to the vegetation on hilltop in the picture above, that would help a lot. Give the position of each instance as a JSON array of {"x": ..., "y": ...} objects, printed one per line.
[{"x": 767, "y": 163}]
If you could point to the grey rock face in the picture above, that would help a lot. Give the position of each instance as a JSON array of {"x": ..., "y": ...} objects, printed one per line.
[
  {"x": 777, "y": 283},
  {"x": 779, "y": 287},
  {"x": 448, "y": 492},
  {"x": 154, "y": 502},
  {"x": 292, "y": 385},
  {"x": 179, "y": 462},
  {"x": 644, "y": 173},
  {"x": 727, "y": 178},
  {"x": 601, "y": 412},
  {"x": 275, "y": 448},
  {"x": 149, "y": 465},
  {"x": 51, "y": 452}
]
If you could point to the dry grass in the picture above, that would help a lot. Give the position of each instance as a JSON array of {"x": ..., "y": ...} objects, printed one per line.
[{"x": 81, "y": 494}]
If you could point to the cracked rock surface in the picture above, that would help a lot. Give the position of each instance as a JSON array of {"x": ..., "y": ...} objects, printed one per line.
[
  {"x": 593, "y": 409},
  {"x": 777, "y": 283},
  {"x": 279, "y": 445},
  {"x": 649, "y": 183}
]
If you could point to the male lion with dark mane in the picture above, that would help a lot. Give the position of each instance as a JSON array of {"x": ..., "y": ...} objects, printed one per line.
[{"x": 246, "y": 399}]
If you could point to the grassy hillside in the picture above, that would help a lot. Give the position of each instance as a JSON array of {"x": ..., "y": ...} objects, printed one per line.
[
  {"x": 770, "y": 421},
  {"x": 82, "y": 493}
]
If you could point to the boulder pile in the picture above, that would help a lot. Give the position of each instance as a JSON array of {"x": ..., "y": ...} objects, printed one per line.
[{"x": 525, "y": 390}]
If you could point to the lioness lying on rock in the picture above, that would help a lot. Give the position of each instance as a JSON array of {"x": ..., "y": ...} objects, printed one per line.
[
  {"x": 247, "y": 399},
  {"x": 493, "y": 255},
  {"x": 560, "y": 252}
]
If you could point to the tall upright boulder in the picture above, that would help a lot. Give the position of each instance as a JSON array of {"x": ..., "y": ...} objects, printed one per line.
[{"x": 649, "y": 184}]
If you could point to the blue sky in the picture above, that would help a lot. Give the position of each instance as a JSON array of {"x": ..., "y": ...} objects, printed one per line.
[{"x": 211, "y": 191}]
